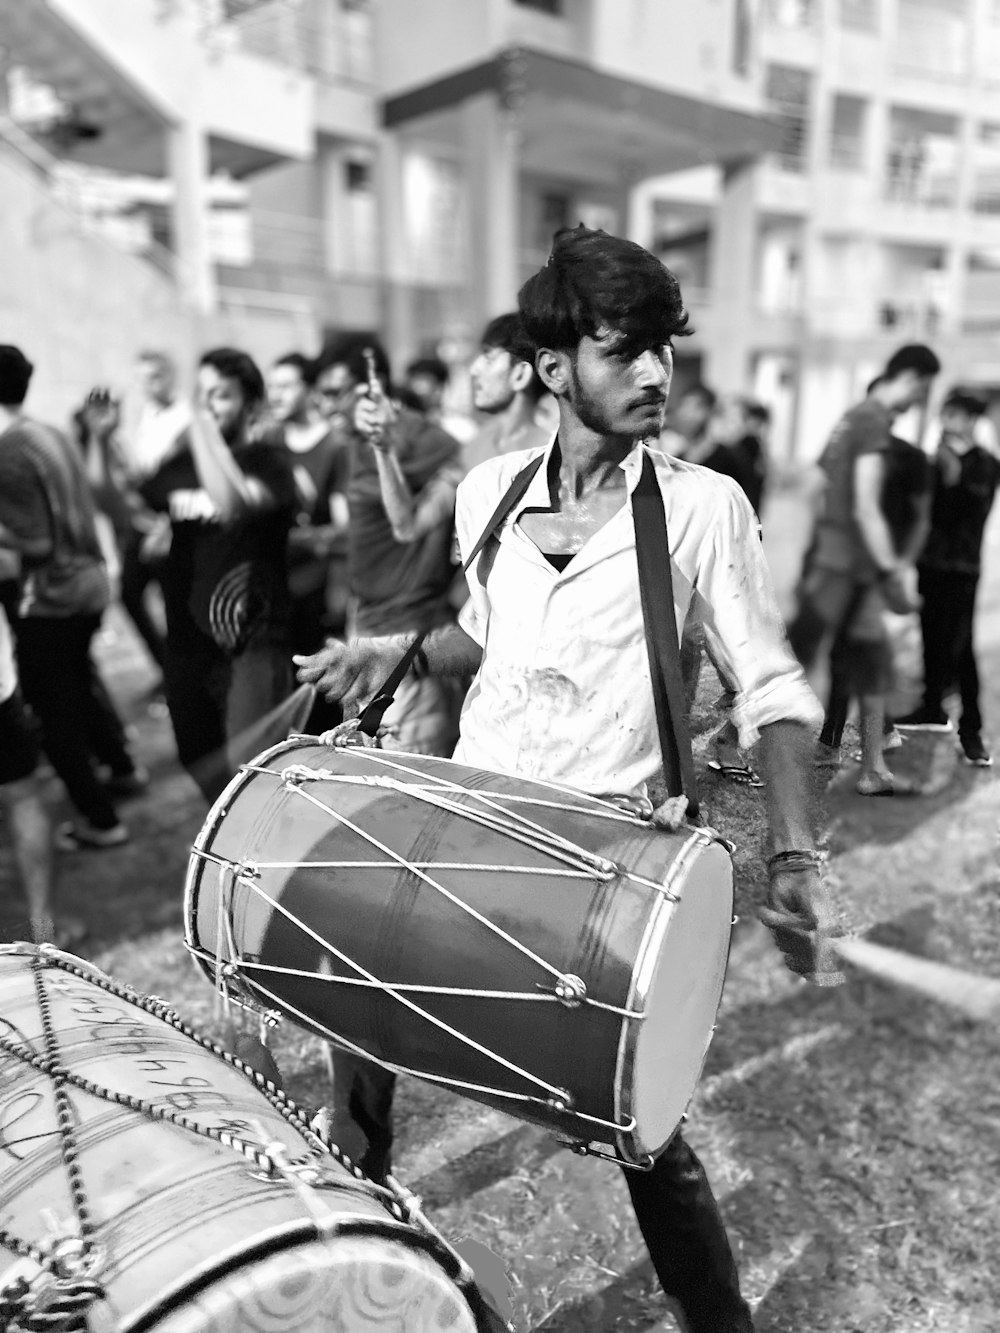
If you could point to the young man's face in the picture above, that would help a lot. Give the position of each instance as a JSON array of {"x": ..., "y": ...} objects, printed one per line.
[
  {"x": 223, "y": 397},
  {"x": 429, "y": 390},
  {"x": 618, "y": 391},
  {"x": 492, "y": 375},
  {"x": 911, "y": 390},
  {"x": 692, "y": 414},
  {"x": 287, "y": 393},
  {"x": 335, "y": 391},
  {"x": 954, "y": 421}
]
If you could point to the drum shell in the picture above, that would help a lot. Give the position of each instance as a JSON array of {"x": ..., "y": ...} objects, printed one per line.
[
  {"x": 295, "y": 919},
  {"x": 177, "y": 1216}
]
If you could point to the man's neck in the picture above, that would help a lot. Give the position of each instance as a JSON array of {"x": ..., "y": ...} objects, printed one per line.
[
  {"x": 517, "y": 417},
  {"x": 8, "y": 416},
  {"x": 589, "y": 460}
]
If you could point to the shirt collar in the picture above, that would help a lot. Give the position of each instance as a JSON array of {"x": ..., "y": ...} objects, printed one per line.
[{"x": 537, "y": 494}]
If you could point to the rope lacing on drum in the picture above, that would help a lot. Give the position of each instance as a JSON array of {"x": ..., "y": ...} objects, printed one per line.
[{"x": 69, "y": 1262}]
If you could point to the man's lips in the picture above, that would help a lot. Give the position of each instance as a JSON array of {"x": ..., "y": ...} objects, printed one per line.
[{"x": 643, "y": 403}]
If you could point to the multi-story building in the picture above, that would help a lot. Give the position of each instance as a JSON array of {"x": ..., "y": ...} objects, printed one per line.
[
  {"x": 400, "y": 164},
  {"x": 876, "y": 222}
]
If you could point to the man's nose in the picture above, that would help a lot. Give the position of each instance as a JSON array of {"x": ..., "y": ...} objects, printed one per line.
[{"x": 650, "y": 370}]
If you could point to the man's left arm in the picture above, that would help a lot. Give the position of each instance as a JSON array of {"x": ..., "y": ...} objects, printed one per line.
[
  {"x": 233, "y": 493},
  {"x": 746, "y": 641}
]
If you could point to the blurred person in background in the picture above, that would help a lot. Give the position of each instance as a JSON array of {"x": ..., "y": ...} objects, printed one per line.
[
  {"x": 853, "y": 564},
  {"x": 402, "y": 505},
  {"x": 231, "y": 501},
  {"x": 428, "y": 380},
  {"x": 507, "y": 389},
  {"x": 861, "y": 659},
  {"x": 320, "y": 455},
  {"x": 24, "y": 809},
  {"x": 98, "y": 427},
  {"x": 964, "y": 481},
  {"x": 47, "y": 517},
  {"x": 688, "y": 432}
]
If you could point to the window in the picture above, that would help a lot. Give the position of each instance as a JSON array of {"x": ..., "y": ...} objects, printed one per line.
[
  {"x": 554, "y": 7},
  {"x": 789, "y": 13},
  {"x": 932, "y": 37},
  {"x": 861, "y": 15},
  {"x": 742, "y": 37},
  {"x": 787, "y": 91},
  {"x": 986, "y": 169},
  {"x": 847, "y": 133},
  {"x": 922, "y": 159},
  {"x": 552, "y": 213}
]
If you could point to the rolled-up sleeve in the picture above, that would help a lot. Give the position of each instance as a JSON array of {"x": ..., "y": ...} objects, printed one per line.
[{"x": 744, "y": 632}]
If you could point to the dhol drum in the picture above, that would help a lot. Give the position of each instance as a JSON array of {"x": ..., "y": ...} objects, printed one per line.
[
  {"x": 526, "y": 945},
  {"x": 149, "y": 1181}
]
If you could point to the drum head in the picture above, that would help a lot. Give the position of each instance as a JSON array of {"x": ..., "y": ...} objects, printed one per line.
[
  {"x": 679, "y": 986},
  {"x": 347, "y": 1285}
]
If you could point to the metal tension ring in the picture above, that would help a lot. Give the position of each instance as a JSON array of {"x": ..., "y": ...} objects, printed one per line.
[
  {"x": 561, "y": 1102},
  {"x": 571, "y": 990}
]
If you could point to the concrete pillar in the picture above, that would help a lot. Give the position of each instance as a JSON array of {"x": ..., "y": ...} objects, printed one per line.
[
  {"x": 188, "y": 163},
  {"x": 396, "y": 297},
  {"x": 492, "y": 149},
  {"x": 732, "y": 281}
]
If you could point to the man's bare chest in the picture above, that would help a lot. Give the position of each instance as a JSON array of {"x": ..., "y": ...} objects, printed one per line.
[{"x": 571, "y": 525}]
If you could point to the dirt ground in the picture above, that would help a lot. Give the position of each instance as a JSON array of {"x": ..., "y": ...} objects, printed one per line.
[{"x": 852, "y": 1134}]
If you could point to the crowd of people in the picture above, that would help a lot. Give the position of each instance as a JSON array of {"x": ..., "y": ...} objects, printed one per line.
[
  {"x": 306, "y": 520},
  {"x": 269, "y": 523}
]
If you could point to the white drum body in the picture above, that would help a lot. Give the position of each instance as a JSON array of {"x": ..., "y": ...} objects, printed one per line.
[{"x": 188, "y": 1195}]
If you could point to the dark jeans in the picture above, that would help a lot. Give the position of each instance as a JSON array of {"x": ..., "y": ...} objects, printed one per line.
[
  {"x": 136, "y": 576},
  {"x": 218, "y": 702},
  {"x": 674, "y": 1205},
  {"x": 946, "y": 620},
  {"x": 79, "y": 722}
]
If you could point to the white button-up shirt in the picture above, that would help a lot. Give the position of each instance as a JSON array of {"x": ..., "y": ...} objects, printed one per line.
[{"x": 563, "y": 692}]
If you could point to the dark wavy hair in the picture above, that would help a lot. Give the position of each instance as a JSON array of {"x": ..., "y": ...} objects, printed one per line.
[
  {"x": 594, "y": 281},
  {"x": 232, "y": 364}
]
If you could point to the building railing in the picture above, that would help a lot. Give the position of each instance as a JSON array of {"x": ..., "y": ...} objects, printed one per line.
[
  {"x": 907, "y": 182},
  {"x": 847, "y": 152},
  {"x": 75, "y": 197},
  {"x": 327, "y": 40}
]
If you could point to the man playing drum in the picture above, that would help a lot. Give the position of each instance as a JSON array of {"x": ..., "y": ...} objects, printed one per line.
[{"x": 553, "y": 631}]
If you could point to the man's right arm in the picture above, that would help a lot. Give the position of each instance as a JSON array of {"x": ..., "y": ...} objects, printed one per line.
[{"x": 353, "y": 672}]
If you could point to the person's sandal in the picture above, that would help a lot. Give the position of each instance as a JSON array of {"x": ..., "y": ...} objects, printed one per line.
[
  {"x": 888, "y": 784},
  {"x": 740, "y": 774}
]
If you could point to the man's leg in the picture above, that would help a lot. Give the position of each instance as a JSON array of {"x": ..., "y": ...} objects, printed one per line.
[
  {"x": 27, "y": 817},
  {"x": 362, "y": 1111},
  {"x": 136, "y": 576},
  {"x": 54, "y": 668},
  {"x": 970, "y": 724},
  {"x": 196, "y": 682},
  {"x": 104, "y": 728},
  {"x": 938, "y": 627},
  {"x": 687, "y": 1242}
]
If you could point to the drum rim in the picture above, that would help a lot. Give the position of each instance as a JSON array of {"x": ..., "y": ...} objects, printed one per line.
[
  {"x": 629, "y": 1145},
  {"x": 282, "y": 1240}
]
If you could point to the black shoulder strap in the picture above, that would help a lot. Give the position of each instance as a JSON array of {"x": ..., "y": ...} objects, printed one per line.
[
  {"x": 656, "y": 590},
  {"x": 372, "y": 714}
]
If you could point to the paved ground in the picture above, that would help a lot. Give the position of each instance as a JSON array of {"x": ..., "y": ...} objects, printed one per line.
[{"x": 851, "y": 1134}]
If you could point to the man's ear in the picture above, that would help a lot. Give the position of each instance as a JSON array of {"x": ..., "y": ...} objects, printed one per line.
[
  {"x": 520, "y": 375},
  {"x": 553, "y": 370}
]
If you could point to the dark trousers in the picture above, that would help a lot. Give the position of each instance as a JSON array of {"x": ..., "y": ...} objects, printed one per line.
[
  {"x": 674, "y": 1205},
  {"x": 217, "y": 702},
  {"x": 946, "y": 622},
  {"x": 79, "y": 722},
  {"x": 136, "y": 576}
]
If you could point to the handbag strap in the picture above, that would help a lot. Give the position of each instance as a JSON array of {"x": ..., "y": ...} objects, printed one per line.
[
  {"x": 371, "y": 716},
  {"x": 656, "y": 592}
]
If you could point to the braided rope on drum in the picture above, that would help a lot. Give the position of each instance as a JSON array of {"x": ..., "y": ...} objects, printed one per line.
[{"x": 68, "y": 1265}]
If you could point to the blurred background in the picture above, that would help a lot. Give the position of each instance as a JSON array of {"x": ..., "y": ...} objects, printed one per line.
[{"x": 822, "y": 175}]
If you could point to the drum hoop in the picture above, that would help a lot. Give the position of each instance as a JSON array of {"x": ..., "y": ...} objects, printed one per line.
[
  {"x": 280, "y": 1240},
  {"x": 634, "y": 1150}
]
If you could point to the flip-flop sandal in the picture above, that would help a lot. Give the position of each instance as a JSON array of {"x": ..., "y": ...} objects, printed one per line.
[
  {"x": 891, "y": 786},
  {"x": 741, "y": 774}
]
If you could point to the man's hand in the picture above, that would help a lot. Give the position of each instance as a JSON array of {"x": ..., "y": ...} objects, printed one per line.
[
  {"x": 900, "y": 593},
  {"x": 101, "y": 414},
  {"x": 374, "y": 417},
  {"x": 801, "y": 917},
  {"x": 350, "y": 672}
]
